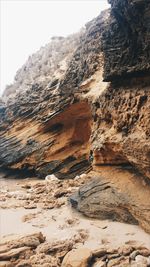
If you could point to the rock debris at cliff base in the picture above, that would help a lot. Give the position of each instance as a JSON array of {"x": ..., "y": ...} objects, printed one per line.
[
  {"x": 41, "y": 235},
  {"x": 33, "y": 250}
]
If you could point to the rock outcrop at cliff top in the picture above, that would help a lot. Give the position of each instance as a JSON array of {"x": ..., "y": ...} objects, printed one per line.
[
  {"x": 127, "y": 39},
  {"x": 45, "y": 66}
]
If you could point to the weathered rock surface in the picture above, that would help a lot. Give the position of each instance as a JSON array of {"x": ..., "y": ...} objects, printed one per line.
[
  {"x": 122, "y": 112},
  {"x": 49, "y": 126},
  {"x": 100, "y": 200},
  {"x": 107, "y": 198},
  {"x": 122, "y": 128},
  {"x": 57, "y": 145},
  {"x": 32, "y": 250},
  {"x": 77, "y": 258},
  {"x": 26, "y": 251},
  {"x": 67, "y": 110},
  {"x": 126, "y": 40}
]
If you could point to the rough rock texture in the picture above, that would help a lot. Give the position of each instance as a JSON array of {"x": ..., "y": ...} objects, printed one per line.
[
  {"x": 47, "y": 128},
  {"x": 122, "y": 128},
  {"x": 126, "y": 40},
  {"x": 77, "y": 258},
  {"x": 34, "y": 251},
  {"x": 52, "y": 125},
  {"x": 39, "y": 142},
  {"x": 112, "y": 194},
  {"x": 113, "y": 205},
  {"x": 46, "y": 194}
]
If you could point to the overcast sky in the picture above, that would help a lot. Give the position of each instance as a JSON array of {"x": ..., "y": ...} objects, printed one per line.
[{"x": 26, "y": 25}]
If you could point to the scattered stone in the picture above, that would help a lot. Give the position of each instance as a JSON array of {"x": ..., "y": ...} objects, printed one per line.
[
  {"x": 51, "y": 178},
  {"x": 134, "y": 254},
  {"x": 99, "y": 263},
  {"x": 24, "y": 263},
  {"x": 145, "y": 252},
  {"x": 26, "y": 186},
  {"x": 32, "y": 241},
  {"x": 119, "y": 262},
  {"x": 61, "y": 193},
  {"x": 77, "y": 258},
  {"x": 83, "y": 175},
  {"x": 148, "y": 262},
  {"x": 13, "y": 253},
  {"x": 113, "y": 256},
  {"x": 141, "y": 260},
  {"x": 99, "y": 253},
  {"x": 30, "y": 206},
  {"x": 104, "y": 227},
  {"x": 6, "y": 264},
  {"x": 29, "y": 216},
  {"x": 125, "y": 250}
]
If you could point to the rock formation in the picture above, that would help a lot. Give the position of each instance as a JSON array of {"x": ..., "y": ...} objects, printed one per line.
[
  {"x": 34, "y": 251},
  {"x": 112, "y": 194},
  {"x": 49, "y": 125},
  {"x": 126, "y": 39},
  {"x": 123, "y": 111},
  {"x": 93, "y": 95}
]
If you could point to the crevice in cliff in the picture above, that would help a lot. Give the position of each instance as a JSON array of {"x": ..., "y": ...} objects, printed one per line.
[
  {"x": 109, "y": 155},
  {"x": 18, "y": 173}
]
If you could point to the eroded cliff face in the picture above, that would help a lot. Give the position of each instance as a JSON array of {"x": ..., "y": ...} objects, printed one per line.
[
  {"x": 122, "y": 112},
  {"x": 126, "y": 40},
  {"x": 98, "y": 103},
  {"x": 46, "y": 128},
  {"x": 122, "y": 127},
  {"x": 47, "y": 140}
]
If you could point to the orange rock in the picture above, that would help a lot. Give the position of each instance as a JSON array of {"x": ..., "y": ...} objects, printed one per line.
[{"x": 77, "y": 258}]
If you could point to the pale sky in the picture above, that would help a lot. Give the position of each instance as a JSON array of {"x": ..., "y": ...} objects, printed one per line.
[{"x": 26, "y": 25}]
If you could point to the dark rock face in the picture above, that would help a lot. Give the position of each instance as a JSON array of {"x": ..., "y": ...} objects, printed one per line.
[
  {"x": 39, "y": 143},
  {"x": 126, "y": 40},
  {"x": 88, "y": 58},
  {"x": 99, "y": 199},
  {"x": 117, "y": 194},
  {"x": 2, "y": 112}
]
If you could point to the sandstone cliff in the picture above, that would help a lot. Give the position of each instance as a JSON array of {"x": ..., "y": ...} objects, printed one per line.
[
  {"x": 99, "y": 102},
  {"x": 47, "y": 127}
]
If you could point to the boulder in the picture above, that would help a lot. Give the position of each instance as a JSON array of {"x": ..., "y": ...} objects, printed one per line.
[
  {"x": 104, "y": 198},
  {"x": 77, "y": 258}
]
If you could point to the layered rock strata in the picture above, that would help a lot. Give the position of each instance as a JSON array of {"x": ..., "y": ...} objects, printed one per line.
[
  {"x": 47, "y": 128},
  {"x": 97, "y": 104},
  {"x": 126, "y": 40},
  {"x": 115, "y": 193}
]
